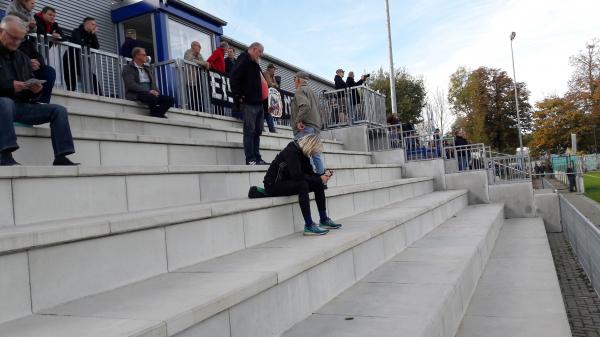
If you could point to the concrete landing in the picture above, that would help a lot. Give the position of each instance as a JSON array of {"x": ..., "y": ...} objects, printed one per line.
[
  {"x": 518, "y": 294},
  {"x": 423, "y": 291}
]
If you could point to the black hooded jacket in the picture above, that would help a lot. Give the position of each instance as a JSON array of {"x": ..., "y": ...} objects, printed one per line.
[{"x": 290, "y": 164}]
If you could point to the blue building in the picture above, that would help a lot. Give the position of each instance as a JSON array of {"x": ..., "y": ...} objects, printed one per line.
[{"x": 165, "y": 28}]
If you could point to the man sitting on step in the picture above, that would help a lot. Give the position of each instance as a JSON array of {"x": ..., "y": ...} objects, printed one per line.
[
  {"x": 141, "y": 86},
  {"x": 19, "y": 92}
]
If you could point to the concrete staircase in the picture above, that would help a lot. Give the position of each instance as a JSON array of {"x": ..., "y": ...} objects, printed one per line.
[{"x": 154, "y": 236}]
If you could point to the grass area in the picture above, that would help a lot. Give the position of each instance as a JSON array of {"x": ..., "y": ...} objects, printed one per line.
[{"x": 591, "y": 181}]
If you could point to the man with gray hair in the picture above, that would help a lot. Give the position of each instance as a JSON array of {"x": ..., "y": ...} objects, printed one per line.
[
  {"x": 305, "y": 116},
  {"x": 193, "y": 55},
  {"x": 19, "y": 92},
  {"x": 250, "y": 89},
  {"x": 140, "y": 85}
]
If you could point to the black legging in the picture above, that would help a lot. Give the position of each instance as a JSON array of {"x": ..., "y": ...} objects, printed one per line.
[{"x": 301, "y": 188}]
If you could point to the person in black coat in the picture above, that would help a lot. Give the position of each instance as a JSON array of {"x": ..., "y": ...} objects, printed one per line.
[
  {"x": 339, "y": 80},
  {"x": 247, "y": 87},
  {"x": 291, "y": 173},
  {"x": 85, "y": 36},
  {"x": 46, "y": 24},
  {"x": 130, "y": 43},
  {"x": 355, "y": 95},
  {"x": 462, "y": 153},
  {"x": 230, "y": 60}
]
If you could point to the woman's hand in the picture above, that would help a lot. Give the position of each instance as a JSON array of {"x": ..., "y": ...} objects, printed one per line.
[{"x": 325, "y": 179}]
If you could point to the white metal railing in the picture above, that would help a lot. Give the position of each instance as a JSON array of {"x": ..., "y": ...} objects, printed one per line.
[
  {"x": 508, "y": 169},
  {"x": 468, "y": 157},
  {"x": 385, "y": 138},
  {"x": 356, "y": 105},
  {"x": 98, "y": 72},
  {"x": 422, "y": 146}
]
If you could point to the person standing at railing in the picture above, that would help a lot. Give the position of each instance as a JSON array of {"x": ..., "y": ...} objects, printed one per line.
[
  {"x": 462, "y": 153},
  {"x": 129, "y": 44},
  {"x": 269, "y": 75},
  {"x": 217, "y": 58},
  {"x": 193, "y": 55},
  {"x": 306, "y": 119},
  {"x": 140, "y": 85},
  {"x": 47, "y": 25},
  {"x": 86, "y": 37},
  {"x": 230, "y": 60},
  {"x": 23, "y": 9},
  {"x": 355, "y": 95},
  {"x": 249, "y": 91},
  {"x": 18, "y": 97}
]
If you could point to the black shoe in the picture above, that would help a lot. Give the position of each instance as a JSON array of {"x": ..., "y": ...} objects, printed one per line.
[
  {"x": 262, "y": 162},
  {"x": 6, "y": 159},
  {"x": 63, "y": 161},
  {"x": 252, "y": 163}
]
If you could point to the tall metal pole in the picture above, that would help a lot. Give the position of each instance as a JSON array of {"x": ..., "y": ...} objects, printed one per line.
[
  {"x": 392, "y": 72},
  {"x": 512, "y": 37}
]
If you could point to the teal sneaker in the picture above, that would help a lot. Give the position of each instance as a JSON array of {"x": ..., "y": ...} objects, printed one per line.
[
  {"x": 314, "y": 230},
  {"x": 329, "y": 224}
]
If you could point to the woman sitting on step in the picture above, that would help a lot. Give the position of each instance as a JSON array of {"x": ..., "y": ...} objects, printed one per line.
[{"x": 291, "y": 173}]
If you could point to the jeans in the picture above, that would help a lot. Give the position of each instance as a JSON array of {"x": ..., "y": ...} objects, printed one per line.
[
  {"x": 301, "y": 188},
  {"x": 270, "y": 122},
  {"x": 34, "y": 114},
  {"x": 49, "y": 74},
  {"x": 253, "y": 127},
  {"x": 159, "y": 105},
  {"x": 463, "y": 163},
  {"x": 316, "y": 160}
]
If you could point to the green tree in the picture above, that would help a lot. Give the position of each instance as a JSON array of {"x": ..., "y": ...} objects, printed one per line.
[
  {"x": 584, "y": 85},
  {"x": 554, "y": 120},
  {"x": 483, "y": 102},
  {"x": 410, "y": 94}
]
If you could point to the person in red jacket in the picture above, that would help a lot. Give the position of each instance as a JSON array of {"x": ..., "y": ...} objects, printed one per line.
[{"x": 217, "y": 59}]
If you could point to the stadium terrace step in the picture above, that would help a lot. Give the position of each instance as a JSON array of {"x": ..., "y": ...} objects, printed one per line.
[
  {"x": 117, "y": 149},
  {"x": 128, "y": 123},
  {"x": 88, "y": 191},
  {"x": 86, "y": 102},
  {"x": 519, "y": 293},
  {"x": 259, "y": 291},
  {"x": 343, "y": 201},
  {"x": 422, "y": 291}
]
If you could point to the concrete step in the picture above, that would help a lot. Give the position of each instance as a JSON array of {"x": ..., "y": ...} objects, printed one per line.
[
  {"x": 259, "y": 291},
  {"x": 123, "y": 122},
  {"x": 422, "y": 291},
  {"x": 67, "y": 259},
  {"x": 518, "y": 294},
  {"x": 343, "y": 201},
  {"x": 84, "y": 102},
  {"x": 69, "y": 192},
  {"x": 121, "y": 149}
]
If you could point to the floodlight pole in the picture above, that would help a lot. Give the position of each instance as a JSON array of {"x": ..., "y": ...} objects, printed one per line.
[
  {"x": 392, "y": 72},
  {"x": 512, "y": 37}
]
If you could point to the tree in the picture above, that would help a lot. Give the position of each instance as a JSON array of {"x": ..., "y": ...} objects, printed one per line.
[
  {"x": 436, "y": 111},
  {"x": 554, "y": 120},
  {"x": 584, "y": 85},
  {"x": 410, "y": 94},
  {"x": 483, "y": 101}
]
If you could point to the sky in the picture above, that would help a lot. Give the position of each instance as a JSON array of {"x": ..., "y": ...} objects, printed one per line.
[{"x": 430, "y": 38}]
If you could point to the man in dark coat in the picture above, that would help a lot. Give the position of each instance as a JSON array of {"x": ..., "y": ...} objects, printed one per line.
[
  {"x": 339, "y": 80},
  {"x": 130, "y": 43},
  {"x": 18, "y": 94},
  {"x": 249, "y": 90},
  {"x": 85, "y": 36},
  {"x": 140, "y": 85},
  {"x": 46, "y": 23}
]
